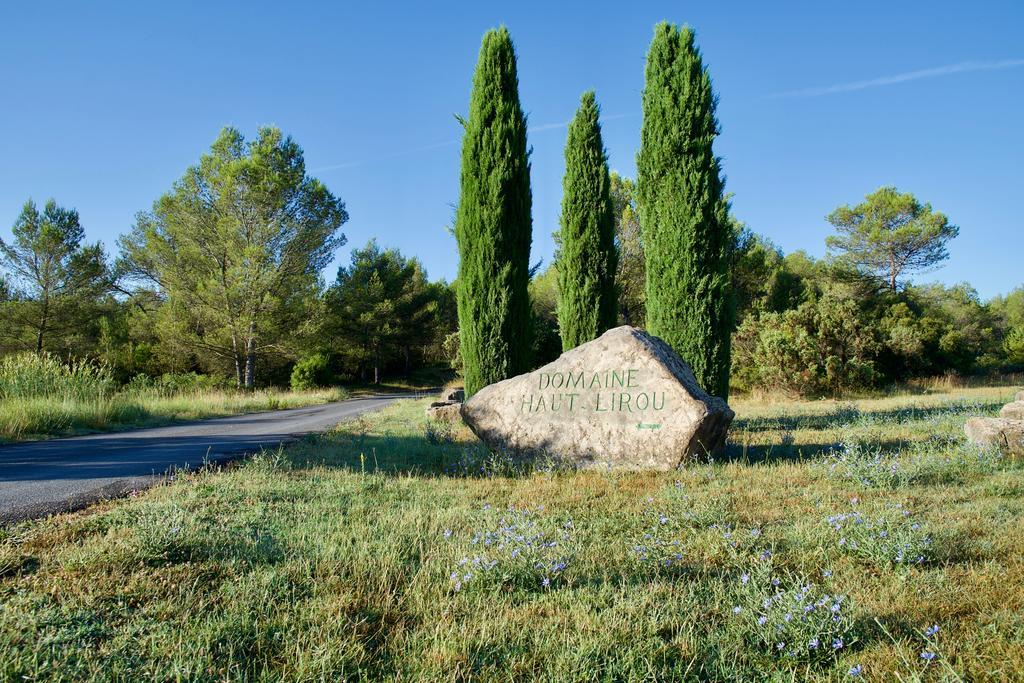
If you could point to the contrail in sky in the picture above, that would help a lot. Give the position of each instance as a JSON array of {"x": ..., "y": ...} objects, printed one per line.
[
  {"x": 962, "y": 67},
  {"x": 385, "y": 157},
  {"x": 448, "y": 143}
]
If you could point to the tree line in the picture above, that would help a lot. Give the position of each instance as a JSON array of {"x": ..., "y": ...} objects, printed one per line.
[
  {"x": 664, "y": 252},
  {"x": 832, "y": 325},
  {"x": 223, "y": 274}
]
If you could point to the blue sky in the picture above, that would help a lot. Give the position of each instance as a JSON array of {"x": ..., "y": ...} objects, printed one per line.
[{"x": 105, "y": 104}]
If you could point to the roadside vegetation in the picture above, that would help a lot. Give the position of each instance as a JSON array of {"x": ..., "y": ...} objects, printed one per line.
[
  {"x": 41, "y": 397},
  {"x": 859, "y": 539}
]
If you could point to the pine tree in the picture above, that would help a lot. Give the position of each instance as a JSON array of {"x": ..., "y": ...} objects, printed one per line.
[
  {"x": 685, "y": 219},
  {"x": 587, "y": 257},
  {"x": 493, "y": 223}
]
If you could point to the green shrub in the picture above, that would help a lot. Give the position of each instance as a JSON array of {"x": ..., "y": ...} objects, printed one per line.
[
  {"x": 1014, "y": 346},
  {"x": 821, "y": 347},
  {"x": 453, "y": 351},
  {"x": 310, "y": 373},
  {"x": 172, "y": 384}
]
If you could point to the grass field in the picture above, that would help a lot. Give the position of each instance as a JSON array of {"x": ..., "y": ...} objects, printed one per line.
[
  {"x": 837, "y": 541},
  {"x": 25, "y": 419}
]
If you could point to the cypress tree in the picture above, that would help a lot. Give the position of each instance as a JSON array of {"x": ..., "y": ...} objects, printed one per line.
[
  {"x": 587, "y": 258},
  {"x": 683, "y": 215},
  {"x": 493, "y": 223}
]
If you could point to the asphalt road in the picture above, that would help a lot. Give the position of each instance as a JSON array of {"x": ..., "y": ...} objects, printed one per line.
[{"x": 59, "y": 475}]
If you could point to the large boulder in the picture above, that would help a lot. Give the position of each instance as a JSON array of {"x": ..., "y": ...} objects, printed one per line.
[
  {"x": 1006, "y": 435},
  {"x": 625, "y": 400},
  {"x": 1013, "y": 411}
]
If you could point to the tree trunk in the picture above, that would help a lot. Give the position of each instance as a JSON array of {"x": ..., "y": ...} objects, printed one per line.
[
  {"x": 250, "y": 363},
  {"x": 239, "y": 376}
]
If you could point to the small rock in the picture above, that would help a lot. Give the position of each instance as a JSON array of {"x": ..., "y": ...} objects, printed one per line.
[
  {"x": 625, "y": 400},
  {"x": 1020, "y": 396},
  {"x": 458, "y": 395},
  {"x": 1007, "y": 435},
  {"x": 445, "y": 411},
  {"x": 1013, "y": 411}
]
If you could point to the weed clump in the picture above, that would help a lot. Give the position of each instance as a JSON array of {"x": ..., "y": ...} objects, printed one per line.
[
  {"x": 889, "y": 538},
  {"x": 786, "y": 616},
  {"x": 519, "y": 547}
]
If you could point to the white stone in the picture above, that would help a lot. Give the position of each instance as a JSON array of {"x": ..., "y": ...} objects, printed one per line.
[
  {"x": 625, "y": 400},
  {"x": 1013, "y": 411},
  {"x": 1006, "y": 435},
  {"x": 445, "y": 411}
]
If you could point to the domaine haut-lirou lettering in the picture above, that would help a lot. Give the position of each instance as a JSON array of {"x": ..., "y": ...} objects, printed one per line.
[{"x": 607, "y": 391}]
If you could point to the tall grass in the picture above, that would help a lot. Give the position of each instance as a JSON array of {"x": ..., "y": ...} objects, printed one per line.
[
  {"x": 936, "y": 385},
  {"x": 30, "y": 376},
  {"x": 42, "y": 397}
]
